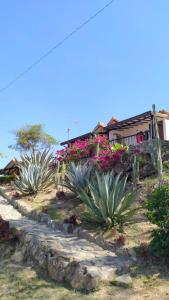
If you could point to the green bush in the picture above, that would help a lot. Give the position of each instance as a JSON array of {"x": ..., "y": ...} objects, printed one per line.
[
  {"x": 158, "y": 213},
  {"x": 6, "y": 179},
  {"x": 107, "y": 199},
  {"x": 166, "y": 164}
]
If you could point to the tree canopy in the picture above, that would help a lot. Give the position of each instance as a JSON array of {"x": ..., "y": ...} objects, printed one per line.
[{"x": 32, "y": 137}]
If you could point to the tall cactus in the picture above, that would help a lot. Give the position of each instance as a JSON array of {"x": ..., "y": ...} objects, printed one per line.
[
  {"x": 157, "y": 145},
  {"x": 60, "y": 174},
  {"x": 135, "y": 171}
]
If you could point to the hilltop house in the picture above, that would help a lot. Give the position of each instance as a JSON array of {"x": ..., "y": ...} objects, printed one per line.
[
  {"x": 131, "y": 131},
  {"x": 11, "y": 168}
]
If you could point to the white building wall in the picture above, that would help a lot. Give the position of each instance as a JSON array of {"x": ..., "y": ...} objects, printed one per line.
[{"x": 166, "y": 129}]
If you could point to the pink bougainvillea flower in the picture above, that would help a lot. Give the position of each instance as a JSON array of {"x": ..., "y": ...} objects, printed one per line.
[
  {"x": 81, "y": 144},
  {"x": 100, "y": 139},
  {"x": 105, "y": 158}
]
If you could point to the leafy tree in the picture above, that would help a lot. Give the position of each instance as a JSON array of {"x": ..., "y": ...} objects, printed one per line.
[{"x": 32, "y": 137}]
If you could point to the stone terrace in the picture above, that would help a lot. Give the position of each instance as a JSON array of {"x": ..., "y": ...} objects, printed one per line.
[{"x": 80, "y": 263}]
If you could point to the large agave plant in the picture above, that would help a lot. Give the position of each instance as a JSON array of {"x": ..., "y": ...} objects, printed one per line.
[
  {"x": 77, "y": 176},
  {"x": 107, "y": 199},
  {"x": 35, "y": 173}
]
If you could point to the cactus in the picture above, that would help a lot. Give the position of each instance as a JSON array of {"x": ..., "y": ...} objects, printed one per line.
[
  {"x": 158, "y": 157},
  {"x": 60, "y": 174},
  {"x": 136, "y": 171}
]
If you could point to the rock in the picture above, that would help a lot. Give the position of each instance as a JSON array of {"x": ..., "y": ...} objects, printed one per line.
[
  {"x": 65, "y": 227},
  {"x": 132, "y": 254},
  {"x": 44, "y": 218},
  {"x": 57, "y": 268},
  {"x": 70, "y": 228},
  {"x": 123, "y": 280},
  {"x": 17, "y": 257}
]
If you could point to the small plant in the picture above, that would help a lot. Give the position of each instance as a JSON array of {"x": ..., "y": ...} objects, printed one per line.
[
  {"x": 158, "y": 213},
  {"x": 6, "y": 232},
  {"x": 60, "y": 194},
  {"x": 15, "y": 195},
  {"x": 114, "y": 231},
  {"x": 77, "y": 176},
  {"x": 107, "y": 199},
  {"x": 4, "y": 179},
  {"x": 44, "y": 210},
  {"x": 166, "y": 164},
  {"x": 117, "y": 147},
  {"x": 121, "y": 239},
  {"x": 118, "y": 237},
  {"x": 35, "y": 172},
  {"x": 73, "y": 219}
]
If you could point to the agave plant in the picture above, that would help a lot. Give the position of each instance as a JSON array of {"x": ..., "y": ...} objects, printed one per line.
[
  {"x": 77, "y": 176},
  {"x": 35, "y": 172},
  {"x": 107, "y": 199}
]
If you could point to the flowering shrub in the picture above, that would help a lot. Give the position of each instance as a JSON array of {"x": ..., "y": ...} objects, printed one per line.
[
  {"x": 98, "y": 149},
  {"x": 101, "y": 140},
  {"x": 108, "y": 158},
  {"x": 74, "y": 152},
  {"x": 81, "y": 149}
]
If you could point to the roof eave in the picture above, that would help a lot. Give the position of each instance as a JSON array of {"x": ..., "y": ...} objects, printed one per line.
[
  {"x": 123, "y": 122},
  {"x": 76, "y": 138}
]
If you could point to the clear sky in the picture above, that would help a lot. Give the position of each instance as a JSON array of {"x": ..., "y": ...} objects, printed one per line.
[{"x": 118, "y": 65}]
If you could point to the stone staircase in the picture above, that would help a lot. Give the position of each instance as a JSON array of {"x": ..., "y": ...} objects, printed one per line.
[{"x": 66, "y": 258}]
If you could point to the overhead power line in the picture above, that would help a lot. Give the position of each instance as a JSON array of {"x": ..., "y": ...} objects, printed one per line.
[{"x": 60, "y": 43}]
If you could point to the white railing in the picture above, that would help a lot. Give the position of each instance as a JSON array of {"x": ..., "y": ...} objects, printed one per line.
[{"x": 131, "y": 140}]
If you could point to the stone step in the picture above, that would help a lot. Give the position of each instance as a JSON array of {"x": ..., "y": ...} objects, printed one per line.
[{"x": 68, "y": 259}]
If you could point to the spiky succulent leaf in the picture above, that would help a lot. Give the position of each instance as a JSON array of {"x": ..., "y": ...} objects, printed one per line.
[
  {"x": 107, "y": 198},
  {"x": 76, "y": 176},
  {"x": 35, "y": 172}
]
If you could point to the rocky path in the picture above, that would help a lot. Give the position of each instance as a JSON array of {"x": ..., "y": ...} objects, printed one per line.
[{"x": 78, "y": 262}]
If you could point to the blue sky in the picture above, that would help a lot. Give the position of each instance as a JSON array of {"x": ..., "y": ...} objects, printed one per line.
[{"x": 118, "y": 65}]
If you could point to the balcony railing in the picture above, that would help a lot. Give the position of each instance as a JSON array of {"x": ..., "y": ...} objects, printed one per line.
[{"x": 132, "y": 140}]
